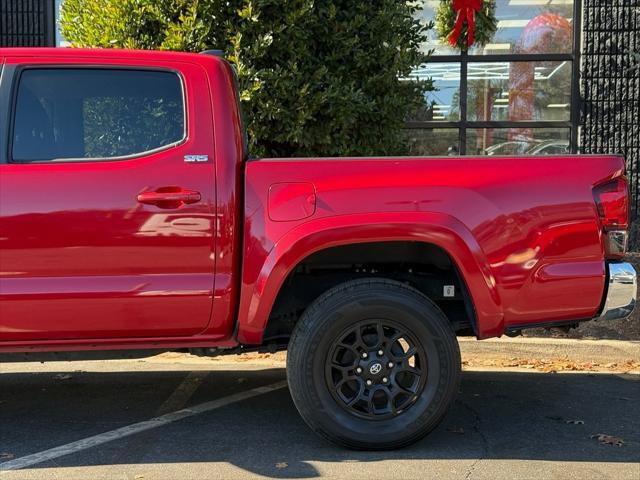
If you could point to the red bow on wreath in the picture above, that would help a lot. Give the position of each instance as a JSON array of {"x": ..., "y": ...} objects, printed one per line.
[{"x": 466, "y": 10}]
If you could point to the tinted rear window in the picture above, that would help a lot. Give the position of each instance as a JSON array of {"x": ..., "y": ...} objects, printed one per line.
[{"x": 66, "y": 113}]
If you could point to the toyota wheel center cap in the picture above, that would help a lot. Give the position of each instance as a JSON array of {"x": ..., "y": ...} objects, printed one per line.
[{"x": 375, "y": 369}]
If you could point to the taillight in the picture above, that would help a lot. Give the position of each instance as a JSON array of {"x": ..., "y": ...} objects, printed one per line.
[{"x": 612, "y": 199}]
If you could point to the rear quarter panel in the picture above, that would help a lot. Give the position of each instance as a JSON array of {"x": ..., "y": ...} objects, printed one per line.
[{"x": 524, "y": 232}]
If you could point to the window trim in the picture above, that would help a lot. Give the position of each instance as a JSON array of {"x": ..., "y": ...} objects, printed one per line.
[
  {"x": 6, "y": 73},
  {"x": 463, "y": 58},
  {"x": 20, "y": 69}
]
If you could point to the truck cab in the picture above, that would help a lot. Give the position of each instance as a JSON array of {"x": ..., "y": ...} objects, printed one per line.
[{"x": 114, "y": 225}]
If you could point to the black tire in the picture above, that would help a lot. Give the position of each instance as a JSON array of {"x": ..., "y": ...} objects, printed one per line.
[{"x": 335, "y": 401}]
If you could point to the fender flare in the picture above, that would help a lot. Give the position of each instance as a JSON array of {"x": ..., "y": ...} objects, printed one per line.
[{"x": 261, "y": 286}]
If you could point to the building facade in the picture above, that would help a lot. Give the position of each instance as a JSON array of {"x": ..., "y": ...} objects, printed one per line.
[
  {"x": 27, "y": 23},
  {"x": 559, "y": 76}
]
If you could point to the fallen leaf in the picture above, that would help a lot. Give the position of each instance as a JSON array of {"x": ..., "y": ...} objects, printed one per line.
[
  {"x": 282, "y": 465},
  {"x": 456, "y": 430},
  {"x": 574, "y": 422},
  {"x": 608, "y": 439},
  {"x": 6, "y": 456}
]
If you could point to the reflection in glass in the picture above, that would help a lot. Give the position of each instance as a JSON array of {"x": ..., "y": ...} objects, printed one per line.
[
  {"x": 433, "y": 141},
  {"x": 432, "y": 42},
  {"x": 443, "y": 103},
  {"x": 524, "y": 26},
  {"x": 518, "y": 141},
  {"x": 519, "y": 91}
]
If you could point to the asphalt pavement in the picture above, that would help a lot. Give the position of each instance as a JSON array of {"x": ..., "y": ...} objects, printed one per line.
[{"x": 116, "y": 420}]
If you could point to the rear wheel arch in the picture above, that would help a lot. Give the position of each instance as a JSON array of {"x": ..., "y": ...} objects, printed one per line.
[
  {"x": 437, "y": 232},
  {"x": 422, "y": 266}
]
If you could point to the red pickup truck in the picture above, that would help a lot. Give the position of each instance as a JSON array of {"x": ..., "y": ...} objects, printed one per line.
[{"x": 133, "y": 220}]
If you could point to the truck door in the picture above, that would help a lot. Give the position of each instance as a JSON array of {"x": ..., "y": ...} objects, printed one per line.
[{"x": 107, "y": 195}]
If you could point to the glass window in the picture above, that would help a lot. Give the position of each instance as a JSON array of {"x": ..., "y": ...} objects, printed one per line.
[
  {"x": 432, "y": 42},
  {"x": 60, "y": 40},
  {"x": 95, "y": 113},
  {"x": 433, "y": 141},
  {"x": 518, "y": 141},
  {"x": 443, "y": 103},
  {"x": 524, "y": 26},
  {"x": 522, "y": 81},
  {"x": 530, "y": 27},
  {"x": 519, "y": 91}
]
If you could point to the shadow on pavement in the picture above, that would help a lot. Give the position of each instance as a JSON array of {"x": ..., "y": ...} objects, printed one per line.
[{"x": 498, "y": 415}]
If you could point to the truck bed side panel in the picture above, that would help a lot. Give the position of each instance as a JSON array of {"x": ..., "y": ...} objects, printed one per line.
[{"x": 534, "y": 221}]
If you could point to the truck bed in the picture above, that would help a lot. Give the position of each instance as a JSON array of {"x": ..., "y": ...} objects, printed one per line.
[{"x": 530, "y": 222}]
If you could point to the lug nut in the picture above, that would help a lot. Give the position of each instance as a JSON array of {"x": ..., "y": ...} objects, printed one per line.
[
  {"x": 380, "y": 352},
  {"x": 358, "y": 370},
  {"x": 390, "y": 364},
  {"x": 385, "y": 379},
  {"x": 364, "y": 355},
  {"x": 369, "y": 382}
]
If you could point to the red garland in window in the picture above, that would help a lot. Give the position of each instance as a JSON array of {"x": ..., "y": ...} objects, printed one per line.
[{"x": 463, "y": 23}]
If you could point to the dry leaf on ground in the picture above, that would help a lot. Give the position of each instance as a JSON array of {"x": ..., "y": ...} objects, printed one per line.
[
  {"x": 551, "y": 365},
  {"x": 608, "y": 439}
]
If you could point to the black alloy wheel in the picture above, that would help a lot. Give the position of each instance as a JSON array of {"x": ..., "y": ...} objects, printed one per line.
[
  {"x": 373, "y": 364},
  {"x": 376, "y": 370}
]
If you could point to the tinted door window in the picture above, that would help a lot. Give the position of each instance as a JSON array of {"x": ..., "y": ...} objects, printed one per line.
[{"x": 95, "y": 113}]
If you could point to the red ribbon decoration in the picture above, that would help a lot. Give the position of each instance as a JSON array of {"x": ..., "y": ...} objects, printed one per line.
[{"x": 466, "y": 11}]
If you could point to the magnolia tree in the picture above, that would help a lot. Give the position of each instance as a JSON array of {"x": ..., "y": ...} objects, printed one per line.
[{"x": 316, "y": 78}]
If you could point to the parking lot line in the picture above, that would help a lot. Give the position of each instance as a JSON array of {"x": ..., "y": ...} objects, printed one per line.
[
  {"x": 183, "y": 393},
  {"x": 134, "y": 428}
]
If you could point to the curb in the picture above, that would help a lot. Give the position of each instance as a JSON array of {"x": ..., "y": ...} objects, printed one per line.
[{"x": 584, "y": 351}]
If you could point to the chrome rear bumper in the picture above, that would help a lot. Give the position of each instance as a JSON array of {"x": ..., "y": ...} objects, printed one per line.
[{"x": 621, "y": 291}]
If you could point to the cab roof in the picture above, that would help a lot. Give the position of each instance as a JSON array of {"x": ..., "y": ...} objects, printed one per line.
[{"x": 64, "y": 52}]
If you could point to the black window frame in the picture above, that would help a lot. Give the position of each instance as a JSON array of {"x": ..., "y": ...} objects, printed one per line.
[
  {"x": 464, "y": 59},
  {"x": 17, "y": 72}
]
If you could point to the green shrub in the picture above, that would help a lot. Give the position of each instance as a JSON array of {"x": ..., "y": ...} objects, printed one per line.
[{"x": 317, "y": 77}]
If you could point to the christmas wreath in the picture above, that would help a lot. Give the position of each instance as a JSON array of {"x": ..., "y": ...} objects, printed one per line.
[{"x": 463, "y": 23}]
